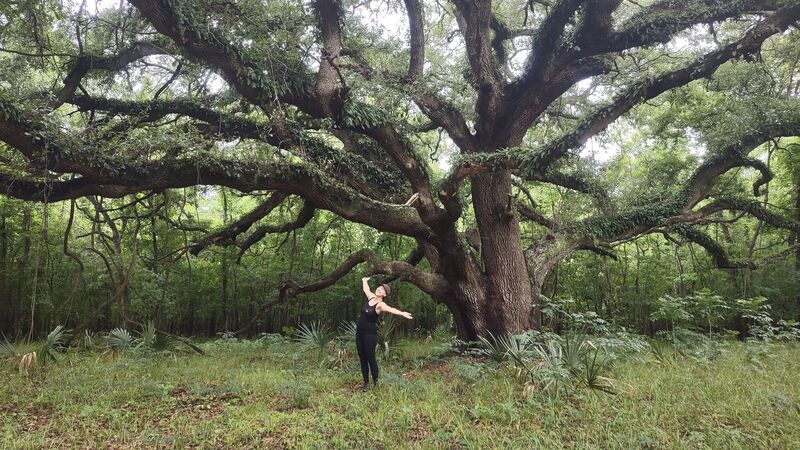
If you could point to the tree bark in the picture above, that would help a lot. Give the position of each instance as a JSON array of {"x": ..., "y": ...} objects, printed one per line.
[
  {"x": 507, "y": 292},
  {"x": 496, "y": 296}
]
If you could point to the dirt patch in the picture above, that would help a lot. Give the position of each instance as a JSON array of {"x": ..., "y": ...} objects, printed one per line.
[
  {"x": 435, "y": 369},
  {"x": 275, "y": 439},
  {"x": 421, "y": 430},
  {"x": 201, "y": 405},
  {"x": 36, "y": 418}
]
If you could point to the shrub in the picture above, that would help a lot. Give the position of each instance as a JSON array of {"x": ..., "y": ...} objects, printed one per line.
[
  {"x": 53, "y": 344},
  {"x": 386, "y": 329},
  {"x": 314, "y": 336}
]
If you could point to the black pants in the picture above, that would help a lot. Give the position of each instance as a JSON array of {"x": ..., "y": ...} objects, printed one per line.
[{"x": 365, "y": 344}]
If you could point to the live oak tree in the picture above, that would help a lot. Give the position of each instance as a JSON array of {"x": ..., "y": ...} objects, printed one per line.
[{"x": 310, "y": 100}]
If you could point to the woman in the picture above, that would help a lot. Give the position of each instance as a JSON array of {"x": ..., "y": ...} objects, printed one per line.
[{"x": 367, "y": 328}]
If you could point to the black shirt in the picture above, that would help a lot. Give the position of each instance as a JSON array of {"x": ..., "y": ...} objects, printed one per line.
[{"x": 368, "y": 320}]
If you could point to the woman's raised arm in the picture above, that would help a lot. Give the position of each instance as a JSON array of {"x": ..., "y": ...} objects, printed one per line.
[{"x": 365, "y": 286}]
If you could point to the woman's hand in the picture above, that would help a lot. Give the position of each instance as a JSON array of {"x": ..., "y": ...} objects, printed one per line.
[
  {"x": 364, "y": 278},
  {"x": 407, "y": 315}
]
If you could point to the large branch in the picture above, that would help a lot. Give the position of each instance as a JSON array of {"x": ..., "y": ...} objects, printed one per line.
[
  {"x": 659, "y": 22},
  {"x": 112, "y": 176},
  {"x": 441, "y": 112},
  {"x": 753, "y": 208},
  {"x": 350, "y": 168},
  {"x": 430, "y": 283},
  {"x": 416, "y": 62},
  {"x": 718, "y": 254},
  {"x": 474, "y": 19},
  {"x": 597, "y": 21},
  {"x": 680, "y": 207},
  {"x": 540, "y": 158},
  {"x": 548, "y": 38},
  {"x": 326, "y": 86},
  {"x": 305, "y": 216},
  {"x": 578, "y": 60},
  {"x": 258, "y": 86},
  {"x": 687, "y": 224},
  {"x": 84, "y": 63},
  {"x": 244, "y": 223}
]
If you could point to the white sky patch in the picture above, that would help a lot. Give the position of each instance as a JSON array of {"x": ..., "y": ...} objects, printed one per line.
[
  {"x": 447, "y": 150},
  {"x": 695, "y": 146},
  {"x": 602, "y": 152},
  {"x": 102, "y": 5},
  {"x": 392, "y": 22}
]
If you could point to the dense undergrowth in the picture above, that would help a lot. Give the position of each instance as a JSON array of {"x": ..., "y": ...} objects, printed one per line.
[{"x": 533, "y": 391}]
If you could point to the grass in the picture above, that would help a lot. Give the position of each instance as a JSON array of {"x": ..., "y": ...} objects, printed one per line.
[{"x": 253, "y": 395}]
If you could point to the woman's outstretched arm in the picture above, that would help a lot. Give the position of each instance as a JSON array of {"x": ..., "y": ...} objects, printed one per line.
[
  {"x": 383, "y": 307},
  {"x": 365, "y": 286}
]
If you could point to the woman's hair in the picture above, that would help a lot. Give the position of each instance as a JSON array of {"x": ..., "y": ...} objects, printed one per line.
[{"x": 385, "y": 289}]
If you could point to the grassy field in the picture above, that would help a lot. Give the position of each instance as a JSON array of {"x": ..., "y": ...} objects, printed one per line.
[{"x": 254, "y": 395}]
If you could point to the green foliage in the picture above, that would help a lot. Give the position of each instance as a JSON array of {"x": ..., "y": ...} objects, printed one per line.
[
  {"x": 561, "y": 312},
  {"x": 53, "y": 344},
  {"x": 660, "y": 144},
  {"x": 494, "y": 348},
  {"x": 314, "y": 336},
  {"x": 240, "y": 394},
  {"x": 7, "y": 349},
  {"x": 120, "y": 340},
  {"x": 386, "y": 329},
  {"x": 297, "y": 392},
  {"x": 347, "y": 330},
  {"x": 88, "y": 340},
  {"x": 147, "y": 337},
  {"x": 550, "y": 363},
  {"x": 673, "y": 310},
  {"x": 708, "y": 308}
]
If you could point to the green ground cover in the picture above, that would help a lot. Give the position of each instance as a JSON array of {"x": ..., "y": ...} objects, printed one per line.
[{"x": 271, "y": 394}]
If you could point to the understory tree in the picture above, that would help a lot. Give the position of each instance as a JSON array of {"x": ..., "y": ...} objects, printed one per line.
[{"x": 335, "y": 104}]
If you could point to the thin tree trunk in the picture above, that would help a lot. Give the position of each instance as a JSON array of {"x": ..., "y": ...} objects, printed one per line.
[
  {"x": 5, "y": 297},
  {"x": 36, "y": 274}
]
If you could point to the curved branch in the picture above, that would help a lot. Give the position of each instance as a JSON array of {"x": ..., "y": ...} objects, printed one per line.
[
  {"x": 305, "y": 216},
  {"x": 661, "y": 20},
  {"x": 254, "y": 84},
  {"x": 112, "y": 176},
  {"x": 244, "y": 223},
  {"x": 433, "y": 284},
  {"x": 350, "y": 168},
  {"x": 548, "y": 38},
  {"x": 718, "y": 254},
  {"x": 525, "y": 112},
  {"x": 530, "y": 214},
  {"x": 679, "y": 209},
  {"x": 753, "y": 208},
  {"x": 84, "y": 63}
]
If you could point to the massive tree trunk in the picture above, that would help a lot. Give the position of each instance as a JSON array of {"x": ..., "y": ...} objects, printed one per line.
[
  {"x": 507, "y": 292},
  {"x": 488, "y": 290}
]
